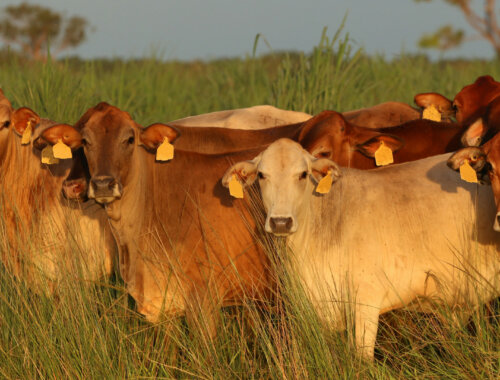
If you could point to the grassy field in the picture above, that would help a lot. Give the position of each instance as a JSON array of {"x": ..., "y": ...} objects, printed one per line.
[{"x": 92, "y": 331}]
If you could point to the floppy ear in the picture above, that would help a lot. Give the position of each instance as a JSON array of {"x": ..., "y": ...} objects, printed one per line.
[
  {"x": 64, "y": 132},
  {"x": 245, "y": 171},
  {"x": 320, "y": 168},
  {"x": 473, "y": 136},
  {"x": 371, "y": 144},
  {"x": 427, "y": 99},
  {"x": 21, "y": 117},
  {"x": 476, "y": 157},
  {"x": 153, "y": 136}
]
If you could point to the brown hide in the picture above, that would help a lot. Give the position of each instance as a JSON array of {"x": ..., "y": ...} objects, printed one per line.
[
  {"x": 472, "y": 100},
  {"x": 329, "y": 135},
  {"x": 37, "y": 222},
  {"x": 386, "y": 114},
  {"x": 182, "y": 240}
]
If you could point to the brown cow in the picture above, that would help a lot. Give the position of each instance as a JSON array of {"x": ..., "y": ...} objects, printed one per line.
[
  {"x": 469, "y": 104},
  {"x": 181, "y": 243},
  {"x": 46, "y": 238},
  {"x": 329, "y": 135}
]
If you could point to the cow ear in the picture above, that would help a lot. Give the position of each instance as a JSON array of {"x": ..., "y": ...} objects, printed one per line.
[
  {"x": 320, "y": 167},
  {"x": 473, "y": 136},
  {"x": 370, "y": 146},
  {"x": 22, "y": 117},
  {"x": 476, "y": 157},
  {"x": 155, "y": 134},
  {"x": 427, "y": 99},
  {"x": 59, "y": 132},
  {"x": 244, "y": 171}
]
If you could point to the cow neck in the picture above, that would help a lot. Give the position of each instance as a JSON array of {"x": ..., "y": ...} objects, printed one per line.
[
  {"x": 30, "y": 192},
  {"x": 124, "y": 213}
]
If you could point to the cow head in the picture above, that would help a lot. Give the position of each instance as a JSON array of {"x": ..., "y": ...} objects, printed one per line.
[
  {"x": 111, "y": 139},
  {"x": 485, "y": 160},
  {"x": 329, "y": 135},
  {"x": 471, "y": 102},
  {"x": 287, "y": 176}
]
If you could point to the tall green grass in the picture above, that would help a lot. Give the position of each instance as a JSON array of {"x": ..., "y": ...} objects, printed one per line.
[{"x": 92, "y": 330}]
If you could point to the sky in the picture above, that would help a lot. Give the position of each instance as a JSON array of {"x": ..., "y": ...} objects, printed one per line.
[{"x": 207, "y": 29}]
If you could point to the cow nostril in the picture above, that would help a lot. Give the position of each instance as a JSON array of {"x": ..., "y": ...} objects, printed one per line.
[{"x": 281, "y": 225}]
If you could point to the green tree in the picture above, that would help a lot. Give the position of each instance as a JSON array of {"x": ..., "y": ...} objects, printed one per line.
[
  {"x": 34, "y": 28},
  {"x": 484, "y": 23}
]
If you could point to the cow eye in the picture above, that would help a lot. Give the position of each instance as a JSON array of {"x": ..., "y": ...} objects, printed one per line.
[
  {"x": 85, "y": 142},
  {"x": 303, "y": 175},
  {"x": 325, "y": 154},
  {"x": 6, "y": 124},
  {"x": 131, "y": 140},
  {"x": 260, "y": 175}
]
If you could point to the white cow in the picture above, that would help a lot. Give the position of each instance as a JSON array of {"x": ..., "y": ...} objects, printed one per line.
[
  {"x": 381, "y": 239},
  {"x": 257, "y": 117}
]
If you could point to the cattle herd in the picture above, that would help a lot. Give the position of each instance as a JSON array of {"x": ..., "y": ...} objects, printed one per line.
[{"x": 381, "y": 207}]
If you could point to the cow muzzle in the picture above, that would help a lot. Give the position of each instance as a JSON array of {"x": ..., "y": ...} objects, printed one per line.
[
  {"x": 496, "y": 225},
  {"x": 280, "y": 226},
  {"x": 105, "y": 189}
]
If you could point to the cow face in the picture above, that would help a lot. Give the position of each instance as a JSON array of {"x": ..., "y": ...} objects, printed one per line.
[
  {"x": 287, "y": 175},
  {"x": 485, "y": 161},
  {"x": 111, "y": 139},
  {"x": 329, "y": 135}
]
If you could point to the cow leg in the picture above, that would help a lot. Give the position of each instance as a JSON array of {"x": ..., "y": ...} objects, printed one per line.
[
  {"x": 202, "y": 315},
  {"x": 366, "y": 326}
]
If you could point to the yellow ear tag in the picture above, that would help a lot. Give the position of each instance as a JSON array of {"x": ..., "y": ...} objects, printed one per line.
[
  {"x": 61, "y": 150},
  {"x": 235, "y": 188},
  {"x": 48, "y": 156},
  {"x": 27, "y": 134},
  {"x": 325, "y": 184},
  {"x": 467, "y": 173},
  {"x": 165, "y": 151},
  {"x": 383, "y": 155},
  {"x": 431, "y": 113}
]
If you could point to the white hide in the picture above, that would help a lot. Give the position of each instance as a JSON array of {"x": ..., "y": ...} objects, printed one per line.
[
  {"x": 257, "y": 117},
  {"x": 387, "y": 237}
]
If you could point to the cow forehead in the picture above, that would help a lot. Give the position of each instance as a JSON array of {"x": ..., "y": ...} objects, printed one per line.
[
  {"x": 109, "y": 121},
  {"x": 284, "y": 156}
]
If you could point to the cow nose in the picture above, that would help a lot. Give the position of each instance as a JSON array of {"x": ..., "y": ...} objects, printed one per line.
[
  {"x": 103, "y": 183},
  {"x": 281, "y": 225}
]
